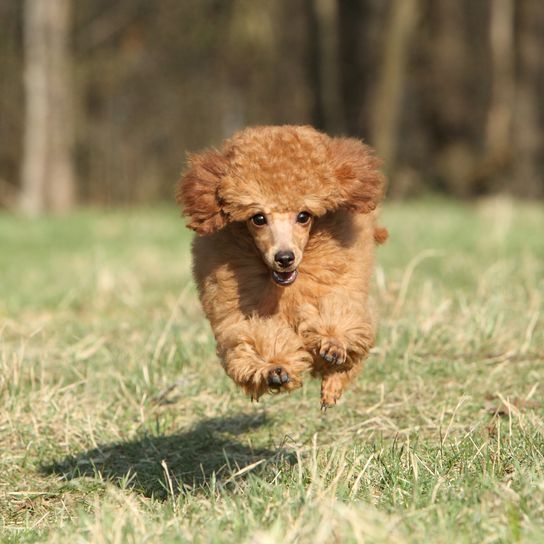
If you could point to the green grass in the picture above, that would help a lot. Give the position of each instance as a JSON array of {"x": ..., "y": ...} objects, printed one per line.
[{"x": 117, "y": 424}]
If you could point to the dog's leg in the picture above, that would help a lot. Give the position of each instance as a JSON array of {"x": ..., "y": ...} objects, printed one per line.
[
  {"x": 338, "y": 329},
  {"x": 263, "y": 355},
  {"x": 334, "y": 383},
  {"x": 339, "y": 332}
]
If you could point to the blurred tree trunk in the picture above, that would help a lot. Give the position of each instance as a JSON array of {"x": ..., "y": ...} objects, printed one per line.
[
  {"x": 327, "y": 20},
  {"x": 47, "y": 170},
  {"x": 454, "y": 82},
  {"x": 528, "y": 113},
  {"x": 494, "y": 168},
  {"x": 351, "y": 63},
  {"x": 313, "y": 64},
  {"x": 360, "y": 54},
  {"x": 498, "y": 129},
  {"x": 387, "y": 103}
]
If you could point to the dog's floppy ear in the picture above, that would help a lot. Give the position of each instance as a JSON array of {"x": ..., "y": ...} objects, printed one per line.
[
  {"x": 198, "y": 192},
  {"x": 361, "y": 185}
]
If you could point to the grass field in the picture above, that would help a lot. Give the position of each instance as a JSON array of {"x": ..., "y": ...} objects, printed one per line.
[{"x": 117, "y": 423}]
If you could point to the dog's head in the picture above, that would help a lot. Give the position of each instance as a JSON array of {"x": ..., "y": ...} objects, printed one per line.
[{"x": 278, "y": 180}]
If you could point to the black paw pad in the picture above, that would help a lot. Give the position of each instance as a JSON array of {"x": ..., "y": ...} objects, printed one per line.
[
  {"x": 330, "y": 357},
  {"x": 277, "y": 377}
]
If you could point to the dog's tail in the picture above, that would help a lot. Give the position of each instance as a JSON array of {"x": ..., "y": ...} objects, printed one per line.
[{"x": 381, "y": 235}]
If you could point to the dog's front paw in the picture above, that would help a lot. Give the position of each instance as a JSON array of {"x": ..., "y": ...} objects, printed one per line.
[
  {"x": 333, "y": 351},
  {"x": 277, "y": 377}
]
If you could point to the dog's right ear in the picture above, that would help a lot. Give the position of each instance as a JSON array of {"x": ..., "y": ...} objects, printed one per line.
[{"x": 198, "y": 192}]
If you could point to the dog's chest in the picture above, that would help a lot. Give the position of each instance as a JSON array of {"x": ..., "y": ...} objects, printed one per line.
[{"x": 270, "y": 300}]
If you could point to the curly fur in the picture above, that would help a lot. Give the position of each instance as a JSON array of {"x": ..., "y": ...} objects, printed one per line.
[{"x": 258, "y": 325}]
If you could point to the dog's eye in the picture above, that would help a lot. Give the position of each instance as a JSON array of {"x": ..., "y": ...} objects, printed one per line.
[
  {"x": 258, "y": 220},
  {"x": 303, "y": 218}
]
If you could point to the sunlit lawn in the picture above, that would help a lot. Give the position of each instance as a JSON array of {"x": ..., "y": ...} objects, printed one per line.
[{"x": 117, "y": 423}]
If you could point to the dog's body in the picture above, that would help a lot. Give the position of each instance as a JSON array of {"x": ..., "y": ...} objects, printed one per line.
[{"x": 284, "y": 265}]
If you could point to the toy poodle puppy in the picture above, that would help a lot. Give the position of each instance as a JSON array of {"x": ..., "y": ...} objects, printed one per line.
[{"x": 286, "y": 218}]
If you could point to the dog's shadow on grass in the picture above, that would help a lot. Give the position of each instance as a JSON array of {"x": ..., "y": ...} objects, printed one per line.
[{"x": 157, "y": 465}]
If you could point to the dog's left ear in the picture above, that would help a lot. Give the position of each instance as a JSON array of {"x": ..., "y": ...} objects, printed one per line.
[
  {"x": 360, "y": 182},
  {"x": 198, "y": 192}
]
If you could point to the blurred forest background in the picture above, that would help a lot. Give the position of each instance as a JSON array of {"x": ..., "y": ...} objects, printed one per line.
[{"x": 100, "y": 100}]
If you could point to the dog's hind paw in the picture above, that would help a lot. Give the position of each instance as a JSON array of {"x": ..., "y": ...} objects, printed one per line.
[
  {"x": 333, "y": 351},
  {"x": 327, "y": 401},
  {"x": 277, "y": 377}
]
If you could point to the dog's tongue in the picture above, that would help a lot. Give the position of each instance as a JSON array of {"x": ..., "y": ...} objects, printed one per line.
[{"x": 284, "y": 278}]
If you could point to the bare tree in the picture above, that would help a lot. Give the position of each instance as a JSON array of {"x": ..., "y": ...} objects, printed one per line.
[
  {"x": 47, "y": 170},
  {"x": 360, "y": 39},
  {"x": 502, "y": 67},
  {"x": 391, "y": 85},
  {"x": 314, "y": 68},
  {"x": 528, "y": 119}
]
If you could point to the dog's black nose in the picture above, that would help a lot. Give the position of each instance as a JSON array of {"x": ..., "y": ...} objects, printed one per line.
[{"x": 284, "y": 258}]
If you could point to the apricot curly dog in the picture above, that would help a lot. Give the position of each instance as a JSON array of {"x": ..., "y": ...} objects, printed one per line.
[{"x": 287, "y": 223}]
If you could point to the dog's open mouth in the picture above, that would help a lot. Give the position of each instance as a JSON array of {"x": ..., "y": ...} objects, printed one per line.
[{"x": 284, "y": 278}]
